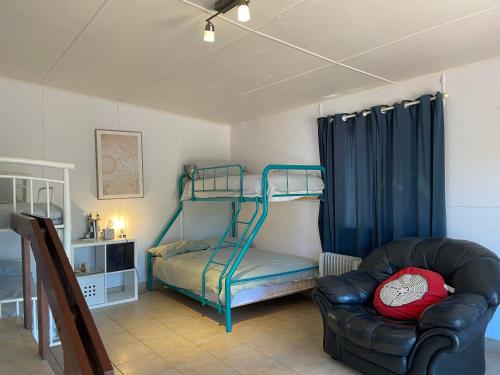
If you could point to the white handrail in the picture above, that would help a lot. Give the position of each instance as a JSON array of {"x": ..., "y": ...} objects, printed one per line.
[{"x": 37, "y": 163}]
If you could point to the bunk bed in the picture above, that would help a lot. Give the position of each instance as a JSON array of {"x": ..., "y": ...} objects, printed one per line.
[
  {"x": 43, "y": 196},
  {"x": 228, "y": 273}
]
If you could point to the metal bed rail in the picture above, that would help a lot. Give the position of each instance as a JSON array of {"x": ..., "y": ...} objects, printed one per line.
[
  {"x": 25, "y": 187},
  {"x": 250, "y": 231},
  {"x": 211, "y": 174},
  {"x": 47, "y": 186}
]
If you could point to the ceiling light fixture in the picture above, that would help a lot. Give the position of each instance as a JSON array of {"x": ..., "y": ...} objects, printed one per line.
[
  {"x": 223, "y": 6},
  {"x": 209, "y": 34},
  {"x": 243, "y": 11}
]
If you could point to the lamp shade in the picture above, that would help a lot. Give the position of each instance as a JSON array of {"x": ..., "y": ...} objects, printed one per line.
[
  {"x": 243, "y": 12},
  {"x": 209, "y": 34}
]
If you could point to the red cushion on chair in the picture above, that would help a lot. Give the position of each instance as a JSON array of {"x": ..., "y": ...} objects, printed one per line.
[{"x": 407, "y": 293}]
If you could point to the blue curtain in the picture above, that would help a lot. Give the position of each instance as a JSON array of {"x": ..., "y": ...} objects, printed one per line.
[{"x": 384, "y": 176}]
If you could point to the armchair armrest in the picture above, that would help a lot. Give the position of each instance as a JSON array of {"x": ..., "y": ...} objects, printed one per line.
[
  {"x": 456, "y": 312},
  {"x": 351, "y": 288}
]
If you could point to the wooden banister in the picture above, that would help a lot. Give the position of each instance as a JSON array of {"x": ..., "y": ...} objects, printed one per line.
[{"x": 84, "y": 352}]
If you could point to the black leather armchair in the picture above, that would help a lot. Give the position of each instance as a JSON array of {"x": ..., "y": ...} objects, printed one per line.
[{"x": 448, "y": 338}]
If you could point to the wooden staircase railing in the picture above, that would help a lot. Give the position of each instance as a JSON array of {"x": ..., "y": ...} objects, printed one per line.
[{"x": 84, "y": 352}]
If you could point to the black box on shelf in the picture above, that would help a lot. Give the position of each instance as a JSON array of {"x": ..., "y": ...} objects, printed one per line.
[{"x": 120, "y": 257}]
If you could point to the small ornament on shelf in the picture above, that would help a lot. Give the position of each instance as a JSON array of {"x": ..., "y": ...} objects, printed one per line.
[
  {"x": 108, "y": 233},
  {"x": 93, "y": 228}
]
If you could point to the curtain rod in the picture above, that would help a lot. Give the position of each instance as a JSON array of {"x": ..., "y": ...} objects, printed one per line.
[{"x": 390, "y": 108}]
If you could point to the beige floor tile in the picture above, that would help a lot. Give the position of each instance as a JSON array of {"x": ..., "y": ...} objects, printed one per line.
[
  {"x": 118, "y": 339},
  {"x": 183, "y": 356},
  {"x": 273, "y": 369},
  {"x": 306, "y": 362},
  {"x": 108, "y": 326},
  {"x": 204, "y": 365},
  {"x": 149, "y": 365},
  {"x": 174, "y": 343},
  {"x": 154, "y": 332},
  {"x": 58, "y": 354},
  {"x": 128, "y": 352},
  {"x": 25, "y": 363},
  {"x": 246, "y": 359},
  {"x": 216, "y": 343},
  {"x": 165, "y": 333}
]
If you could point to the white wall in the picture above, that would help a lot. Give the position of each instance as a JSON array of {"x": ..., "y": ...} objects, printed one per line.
[
  {"x": 45, "y": 123},
  {"x": 472, "y": 156}
]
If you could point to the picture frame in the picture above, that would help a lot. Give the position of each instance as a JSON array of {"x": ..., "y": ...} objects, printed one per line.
[{"x": 119, "y": 164}]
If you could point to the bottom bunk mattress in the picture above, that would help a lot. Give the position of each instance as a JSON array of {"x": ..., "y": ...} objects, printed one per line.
[
  {"x": 11, "y": 286},
  {"x": 184, "y": 271}
]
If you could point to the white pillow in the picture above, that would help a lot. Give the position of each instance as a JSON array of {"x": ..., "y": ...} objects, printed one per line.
[{"x": 180, "y": 247}]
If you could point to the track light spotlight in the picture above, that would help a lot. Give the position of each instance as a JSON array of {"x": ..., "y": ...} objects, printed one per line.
[
  {"x": 209, "y": 34},
  {"x": 243, "y": 11},
  {"x": 221, "y": 7}
]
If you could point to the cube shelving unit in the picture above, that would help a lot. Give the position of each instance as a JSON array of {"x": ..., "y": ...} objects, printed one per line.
[{"x": 111, "y": 276}]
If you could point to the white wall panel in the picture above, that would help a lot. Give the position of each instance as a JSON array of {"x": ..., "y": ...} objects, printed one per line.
[
  {"x": 472, "y": 156},
  {"x": 48, "y": 123}
]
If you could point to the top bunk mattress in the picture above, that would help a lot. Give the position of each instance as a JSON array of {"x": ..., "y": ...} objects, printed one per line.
[
  {"x": 184, "y": 271},
  {"x": 279, "y": 184},
  {"x": 39, "y": 209}
]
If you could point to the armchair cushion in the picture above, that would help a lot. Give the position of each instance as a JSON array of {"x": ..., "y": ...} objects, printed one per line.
[
  {"x": 362, "y": 326},
  {"x": 457, "y": 312},
  {"x": 351, "y": 288}
]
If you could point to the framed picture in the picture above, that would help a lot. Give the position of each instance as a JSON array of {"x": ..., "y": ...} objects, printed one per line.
[{"x": 119, "y": 164}]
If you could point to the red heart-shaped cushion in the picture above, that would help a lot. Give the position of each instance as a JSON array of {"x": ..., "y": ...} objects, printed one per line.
[{"x": 407, "y": 293}]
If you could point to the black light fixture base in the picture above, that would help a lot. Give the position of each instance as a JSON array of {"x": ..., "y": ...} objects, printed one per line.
[{"x": 223, "y": 6}]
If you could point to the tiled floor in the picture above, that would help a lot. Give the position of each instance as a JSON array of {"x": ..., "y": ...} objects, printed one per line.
[
  {"x": 18, "y": 351},
  {"x": 166, "y": 333}
]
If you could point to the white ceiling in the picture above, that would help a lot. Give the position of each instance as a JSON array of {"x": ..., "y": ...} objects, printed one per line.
[{"x": 292, "y": 52}]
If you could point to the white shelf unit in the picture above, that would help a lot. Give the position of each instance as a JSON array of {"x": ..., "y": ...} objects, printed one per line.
[{"x": 102, "y": 285}]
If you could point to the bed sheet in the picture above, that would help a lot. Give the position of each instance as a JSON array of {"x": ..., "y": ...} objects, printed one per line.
[{"x": 185, "y": 270}]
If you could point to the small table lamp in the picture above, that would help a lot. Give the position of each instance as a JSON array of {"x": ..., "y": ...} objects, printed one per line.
[{"x": 119, "y": 227}]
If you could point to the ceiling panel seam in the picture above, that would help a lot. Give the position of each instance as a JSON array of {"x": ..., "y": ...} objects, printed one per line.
[
  {"x": 71, "y": 44},
  {"x": 432, "y": 28},
  {"x": 188, "y": 65},
  {"x": 271, "y": 84},
  {"x": 291, "y": 45},
  {"x": 255, "y": 31}
]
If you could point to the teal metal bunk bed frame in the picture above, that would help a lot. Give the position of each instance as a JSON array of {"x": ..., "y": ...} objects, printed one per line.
[{"x": 250, "y": 231}]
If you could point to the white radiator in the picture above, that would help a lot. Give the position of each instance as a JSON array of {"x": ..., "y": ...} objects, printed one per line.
[{"x": 337, "y": 264}]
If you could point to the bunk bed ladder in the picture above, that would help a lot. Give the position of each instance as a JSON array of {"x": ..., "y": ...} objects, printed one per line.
[{"x": 237, "y": 245}]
